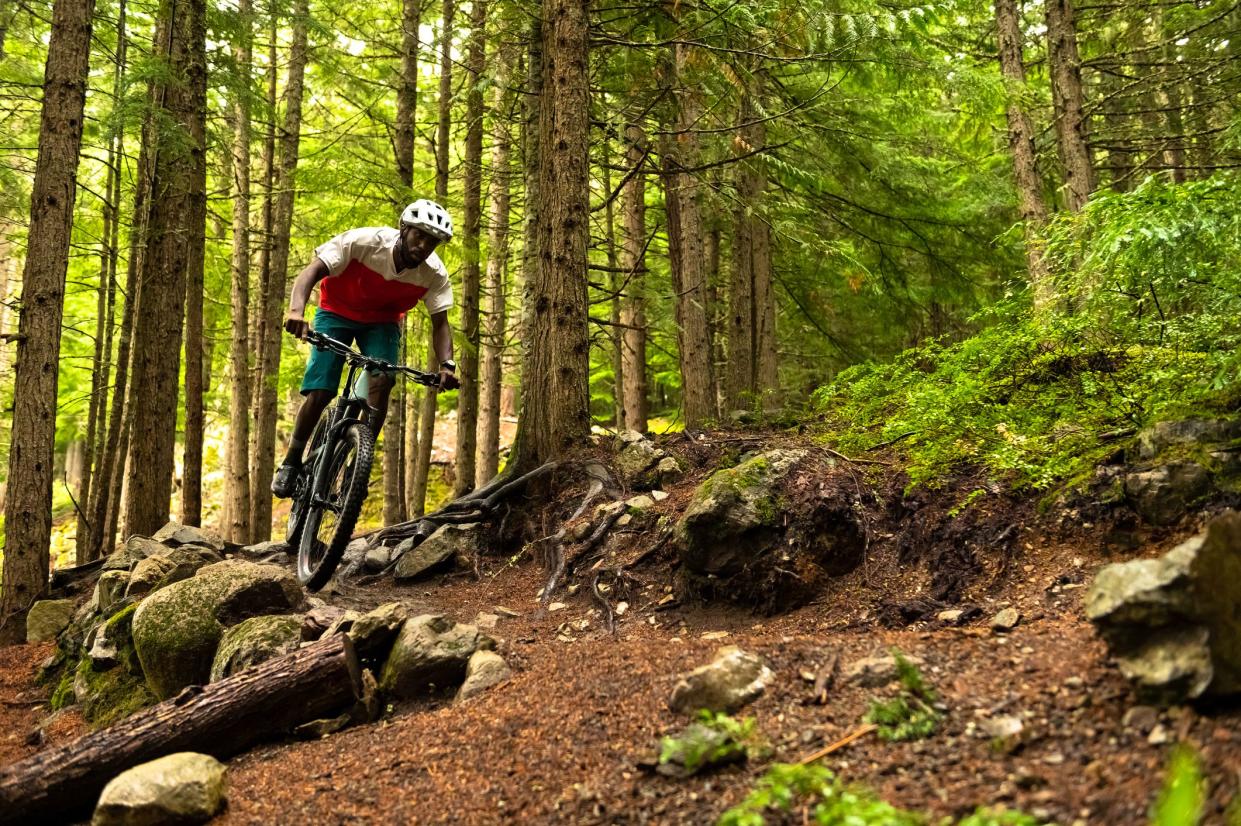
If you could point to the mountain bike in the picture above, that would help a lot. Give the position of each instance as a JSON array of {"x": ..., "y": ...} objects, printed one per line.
[{"x": 329, "y": 494}]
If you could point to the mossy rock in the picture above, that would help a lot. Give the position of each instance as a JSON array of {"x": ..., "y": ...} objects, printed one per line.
[
  {"x": 254, "y": 641},
  {"x": 735, "y": 514},
  {"x": 430, "y": 651},
  {"x": 111, "y": 691},
  {"x": 177, "y": 629}
]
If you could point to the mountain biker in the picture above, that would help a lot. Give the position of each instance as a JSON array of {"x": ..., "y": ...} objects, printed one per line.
[{"x": 369, "y": 278}]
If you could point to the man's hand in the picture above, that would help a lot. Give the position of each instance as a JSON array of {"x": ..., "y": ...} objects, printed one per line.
[
  {"x": 295, "y": 325},
  {"x": 449, "y": 380}
]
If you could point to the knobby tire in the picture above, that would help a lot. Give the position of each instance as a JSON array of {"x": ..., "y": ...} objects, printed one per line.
[{"x": 356, "y": 438}]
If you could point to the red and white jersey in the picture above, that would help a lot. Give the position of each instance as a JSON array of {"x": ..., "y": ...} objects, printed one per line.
[{"x": 363, "y": 284}]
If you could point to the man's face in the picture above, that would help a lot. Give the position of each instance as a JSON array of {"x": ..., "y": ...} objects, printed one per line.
[{"x": 418, "y": 245}]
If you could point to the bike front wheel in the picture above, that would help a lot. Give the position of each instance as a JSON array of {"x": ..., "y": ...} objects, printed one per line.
[{"x": 337, "y": 492}]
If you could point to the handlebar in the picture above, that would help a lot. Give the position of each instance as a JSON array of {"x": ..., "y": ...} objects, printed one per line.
[{"x": 354, "y": 357}]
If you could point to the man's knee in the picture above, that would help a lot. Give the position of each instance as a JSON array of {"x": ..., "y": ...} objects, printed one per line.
[{"x": 319, "y": 398}]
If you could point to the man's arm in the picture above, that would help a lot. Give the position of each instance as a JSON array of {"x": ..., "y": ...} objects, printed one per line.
[
  {"x": 441, "y": 339},
  {"x": 294, "y": 321}
]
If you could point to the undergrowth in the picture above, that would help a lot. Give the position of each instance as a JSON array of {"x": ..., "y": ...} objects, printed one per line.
[
  {"x": 713, "y": 739},
  {"x": 1145, "y": 330},
  {"x": 911, "y": 715}
]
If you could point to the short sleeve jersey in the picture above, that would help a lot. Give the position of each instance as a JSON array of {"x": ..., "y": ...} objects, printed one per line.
[{"x": 364, "y": 286}]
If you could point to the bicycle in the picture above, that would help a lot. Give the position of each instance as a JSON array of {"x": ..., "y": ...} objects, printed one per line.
[{"x": 328, "y": 496}]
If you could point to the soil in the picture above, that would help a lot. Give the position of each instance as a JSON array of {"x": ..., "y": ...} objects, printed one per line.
[{"x": 565, "y": 740}]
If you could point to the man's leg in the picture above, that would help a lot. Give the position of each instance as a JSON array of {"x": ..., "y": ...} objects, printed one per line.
[
  {"x": 308, "y": 416},
  {"x": 380, "y": 390}
]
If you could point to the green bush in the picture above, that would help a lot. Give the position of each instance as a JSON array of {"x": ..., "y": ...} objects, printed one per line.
[
  {"x": 911, "y": 715},
  {"x": 1147, "y": 330}
]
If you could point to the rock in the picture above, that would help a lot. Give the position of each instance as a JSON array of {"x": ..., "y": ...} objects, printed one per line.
[
  {"x": 1006, "y": 619},
  {"x": 1159, "y": 735},
  {"x": 950, "y": 617},
  {"x": 373, "y": 632},
  {"x": 1157, "y": 438},
  {"x": 47, "y": 618},
  {"x": 318, "y": 620},
  {"x": 1163, "y": 495},
  {"x": 180, "y": 788},
  {"x": 668, "y": 472},
  {"x": 486, "y": 621},
  {"x": 735, "y": 514},
  {"x": 254, "y": 641},
  {"x": 107, "y": 683},
  {"x": 317, "y": 729},
  {"x": 506, "y": 612},
  {"x": 437, "y": 551},
  {"x": 110, "y": 589},
  {"x": 136, "y": 548},
  {"x": 876, "y": 672},
  {"x": 264, "y": 550},
  {"x": 635, "y": 455},
  {"x": 369, "y": 706},
  {"x": 376, "y": 559},
  {"x": 659, "y": 495},
  {"x": 175, "y": 534},
  {"x": 147, "y": 574},
  {"x": 484, "y": 670},
  {"x": 179, "y": 563},
  {"x": 696, "y": 748},
  {"x": 639, "y": 503},
  {"x": 342, "y": 623},
  {"x": 430, "y": 650},
  {"x": 1141, "y": 719},
  {"x": 1003, "y": 727},
  {"x": 1171, "y": 623},
  {"x": 734, "y": 679},
  {"x": 177, "y": 629}
]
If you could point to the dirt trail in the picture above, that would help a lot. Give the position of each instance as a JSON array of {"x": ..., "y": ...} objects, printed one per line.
[{"x": 563, "y": 740}]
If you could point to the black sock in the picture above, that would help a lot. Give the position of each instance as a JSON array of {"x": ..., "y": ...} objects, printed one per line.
[{"x": 296, "y": 448}]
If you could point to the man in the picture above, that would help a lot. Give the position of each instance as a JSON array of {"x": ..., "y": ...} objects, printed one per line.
[{"x": 369, "y": 278}]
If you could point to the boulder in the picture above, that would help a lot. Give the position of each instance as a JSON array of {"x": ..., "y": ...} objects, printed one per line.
[
  {"x": 47, "y": 618},
  {"x": 108, "y": 683},
  {"x": 373, "y": 632},
  {"x": 735, "y": 514},
  {"x": 177, "y": 629},
  {"x": 430, "y": 651},
  {"x": 181, "y": 788},
  {"x": 376, "y": 559},
  {"x": 734, "y": 679},
  {"x": 176, "y": 564},
  {"x": 255, "y": 640},
  {"x": 484, "y": 670},
  {"x": 437, "y": 551},
  {"x": 319, "y": 619},
  {"x": 1171, "y": 622},
  {"x": 110, "y": 589},
  {"x": 635, "y": 455},
  {"x": 174, "y": 534},
  {"x": 1165, "y": 494},
  {"x": 1161, "y": 436},
  {"x": 136, "y": 548}
]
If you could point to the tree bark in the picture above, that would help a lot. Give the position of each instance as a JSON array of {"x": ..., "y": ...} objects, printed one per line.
[
  {"x": 197, "y": 356},
  {"x": 492, "y": 373},
  {"x": 555, "y": 414},
  {"x": 285, "y": 187},
  {"x": 740, "y": 372},
  {"x": 633, "y": 302},
  {"x": 467, "y": 396},
  {"x": 689, "y": 277},
  {"x": 614, "y": 287},
  {"x": 407, "y": 93},
  {"x": 220, "y": 719},
  {"x": 1031, "y": 206},
  {"x": 414, "y": 332},
  {"x": 1066, "y": 84},
  {"x": 28, "y": 506},
  {"x": 237, "y": 467},
  {"x": 169, "y": 236}
]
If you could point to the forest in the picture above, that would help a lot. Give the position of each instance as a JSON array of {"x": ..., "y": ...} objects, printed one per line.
[{"x": 988, "y": 254}]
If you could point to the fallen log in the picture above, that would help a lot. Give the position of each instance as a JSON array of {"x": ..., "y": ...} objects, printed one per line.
[{"x": 220, "y": 719}]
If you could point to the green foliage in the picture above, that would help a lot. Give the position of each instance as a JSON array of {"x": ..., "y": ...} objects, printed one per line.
[
  {"x": 1181, "y": 800},
  {"x": 834, "y": 804},
  {"x": 714, "y": 738},
  {"x": 1148, "y": 333},
  {"x": 910, "y": 715}
]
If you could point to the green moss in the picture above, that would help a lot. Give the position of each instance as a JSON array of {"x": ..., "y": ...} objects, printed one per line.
[
  {"x": 110, "y": 695},
  {"x": 63, "y": 696}
]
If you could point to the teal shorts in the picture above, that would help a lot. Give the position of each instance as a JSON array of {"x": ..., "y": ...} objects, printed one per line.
[{"x": 381, "y": 341}]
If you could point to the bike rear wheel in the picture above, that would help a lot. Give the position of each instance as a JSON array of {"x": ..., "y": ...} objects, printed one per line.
[{"x": 333, "y": 504}]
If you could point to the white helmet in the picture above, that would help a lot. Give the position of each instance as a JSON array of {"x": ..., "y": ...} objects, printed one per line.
[{"x": 429, "y": 217}]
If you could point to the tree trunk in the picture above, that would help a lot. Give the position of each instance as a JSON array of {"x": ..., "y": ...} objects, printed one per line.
[
  {"x": 767, "y": 378},
  {"x": 197, "y": 357},
  {"x": 555, "y": 415},
  {"x": 274, "y": 299},
  {"x": 467, "y": 396},
  {"x": 407, "y": 93},
  {"x": 689, "y": 277},
  {"x": 221, "y": 719},
  {"x": 169, "y": 238},
  {"x": 1066, "y": 85},
  {"x": 740, "y": 372},
  {"x": 1032, "y": 208},
  {"x": 237, "y": 467},
  {"x": 414, "y": 332},
  {"x": 614, "y": 287},
  {"x": 28, "y": 506},
  {"x": 108, "y": 257},
  {"x": 492, "y": 372},
  {"x": 633, "y": 265}
]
